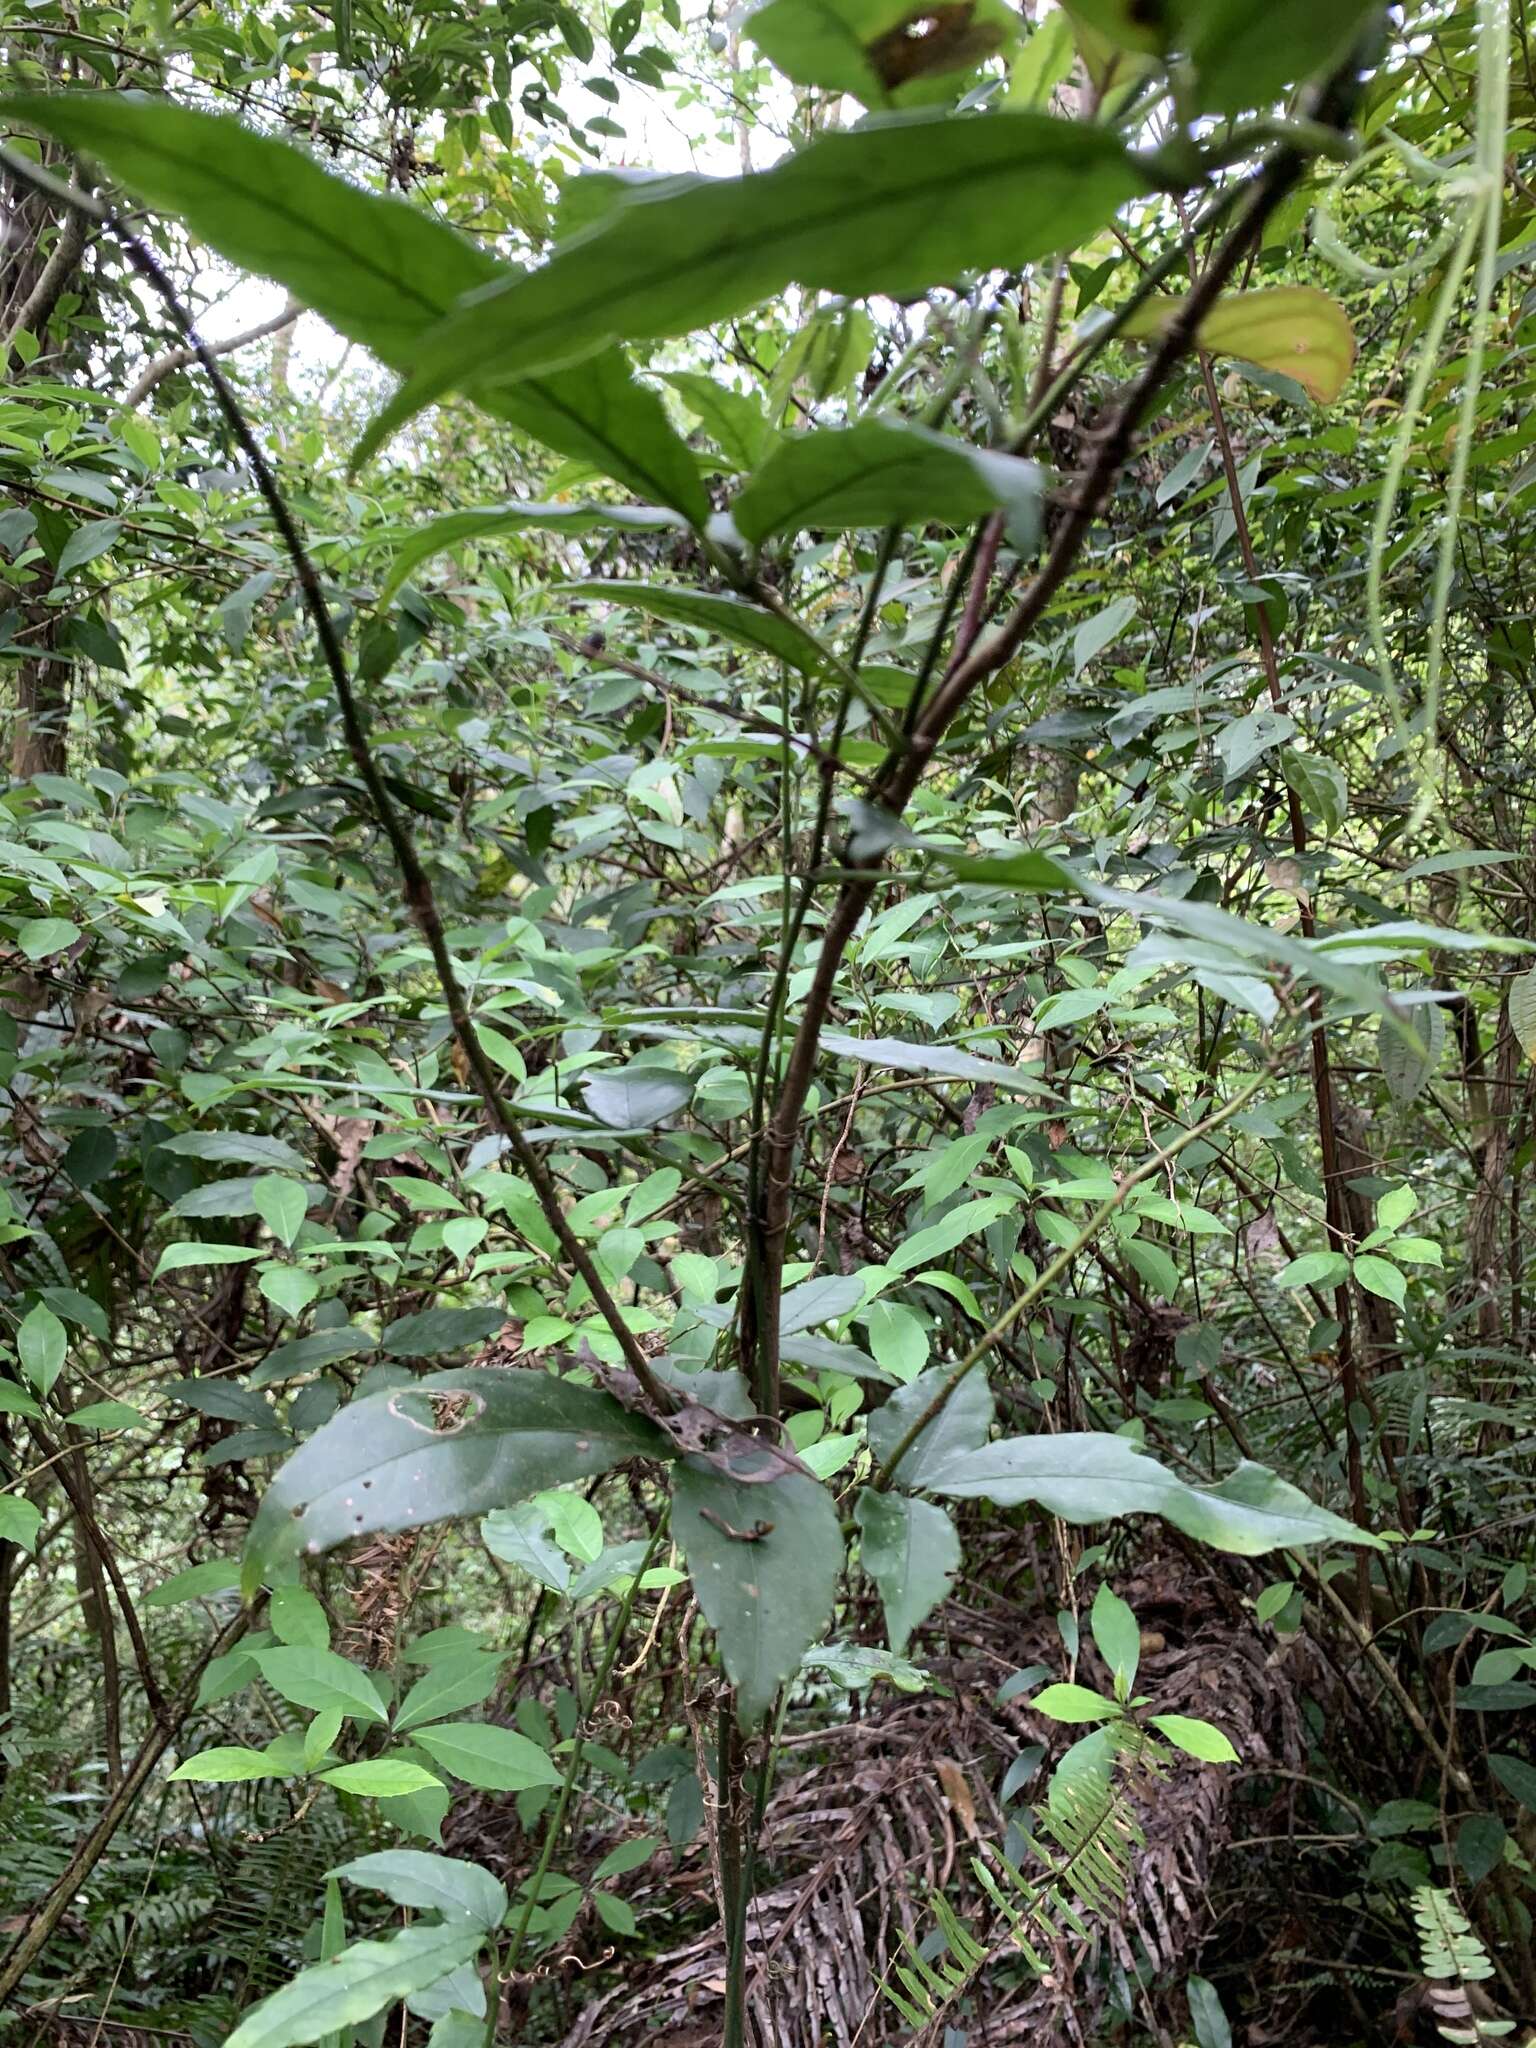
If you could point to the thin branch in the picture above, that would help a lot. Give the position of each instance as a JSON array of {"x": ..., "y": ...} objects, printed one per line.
[{"x": 175, "y": 359}]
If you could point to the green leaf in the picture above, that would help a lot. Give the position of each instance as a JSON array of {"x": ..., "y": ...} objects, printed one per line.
[
  {"x": 952, "y": 1061},
  {"x": 87, "y": 542},
  {"x": 893, "y": 208},
  {"x": 455, "y": 1443},
  {"x": 1522, "y": 1010},
  {"x": 177, "y": 1257},
  {"x": 911, "y": 1551},
  {"x": 107, "y": 1415},
  {"x": 1207, "y": 2016},
  {"x": 880, "y": 472},
  {"x": 297, "y": 1618},
  {"x": 897, "y": 1339},
  {"x": 879, "y": 49},
  {"x": 1321, "y": 785},
  {"x": 950, "y": 1230},
  {"x": 351, "y": 1987},
  {"x": 319, "y": 1678},
  {"x": 821, "y": 1300},
  {"x": 197, "y": 1582},
  {"x": 382, "y": 272},
  {"x": 20, "y": 1520},
  {"x": 381, "y": 1777},
  {"x": 637, "y": 1098},
  {"x": 1379, "y": 1276},
  {"x": 719, "y": 614},
  {"x": 41, "y": 937},
  {"x": 1517, "y": 1778},
  {"x": 1302, "y": 332},
  {"x": 1247, "y": 740},
  {"x": 736, "y": 424},
  {"x": 227, "y": 1766},
  {"x": 1313, "y": 1269},
  {"x": 626, "y": 1857},
  {"x": 961, "y": 1425},
  {"x": 16, "y": 1400},
  {"x": 1195, "y": 1738},
  {"x": 1099, "y": 632},
  {"x": 281, "y": 1205},
  {"x": 237, "y": 1148},
  {"x": 1073, "y": 1703},
  {"x": 1087, "y": 1477},
  {"x": 449, "y": 1687},
  {"x": 766, "y": 1589},
  {"x": 1409, "y": 1061},
  {"x": 436, "y": 1330},
  {"x": 490, "y": 522},
  {"x": 41, "y": 1343},
  {"x": 1244, "y": 55},
  {"x": 443, "y": 1884},
  {"x": 492, "y": 1759},
  {"x": 1395, "y": 1207},
  {"x": 1117, "y": 1636}
]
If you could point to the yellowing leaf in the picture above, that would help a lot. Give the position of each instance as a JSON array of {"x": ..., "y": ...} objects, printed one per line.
[{"x": 1297, "y": 330}]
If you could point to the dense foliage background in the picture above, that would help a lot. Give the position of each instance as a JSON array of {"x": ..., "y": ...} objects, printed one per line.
[{"x": 767, "y": 1026}]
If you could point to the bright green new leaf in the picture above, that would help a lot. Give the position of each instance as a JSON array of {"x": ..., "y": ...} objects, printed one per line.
[
  {"x": 381, "y": 1777},
  {"x": 1073, "y": 1703},
  {"x": 20, "y": 1520},
  {"x": 41, "y": 937},
  {"x": 298, "y": 1618},
  {"x": 227, "y": 1766},
  {"x": 176, "y": 1258},
  {"x": 1117, "y": 1636},
  {"x": 1302, "y": 332},
  {"x": 492, "y": 1759},
  {"x": 197, "y": 1582},
  {"x": 764, "y": 1561},
  {"x": 281, "y": 1205},
  {"x": 1313, "y": 1269},
  {"x": 1195, "y": 1738}
]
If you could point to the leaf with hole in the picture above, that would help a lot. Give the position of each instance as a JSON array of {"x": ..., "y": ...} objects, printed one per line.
[{"x": 454, "y": 1443}]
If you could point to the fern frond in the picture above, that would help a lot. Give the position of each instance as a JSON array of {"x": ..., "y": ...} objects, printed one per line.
[
  {"x": 1452, "y": 1956},
  {"x": 1095, "y": 1835}
]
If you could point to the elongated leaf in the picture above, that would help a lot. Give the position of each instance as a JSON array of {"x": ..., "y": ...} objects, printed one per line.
[
  {"x": 889, "y": 208},
  {"x": 352, "y": 1986},
  {"x": 736, "y": 424},
  {"x": 449, "y": 1687},
  {"x": 495, "y": 1759},
  {"x": 1409, "y": 1063},
  {"x": 764, "y": 1562},
  {"x": 731, "y": 618},
  {"x": 1086, "y": 1477},
  {"x": 412, "y": 1877},
  {"x": 319, "y": 1679},
  {"x": 455, "y": 1443},
  {"x": 911, "y": 1551},
  {"x": 637, "y": 1098},
  {"x": 224, "y": 1766},
  {"x": 489, "y": 522},
  {"x": 380, "y": 271},
  {"x": 880, "y": 472},
  {"x": 953, "y": 1062},
  {"x": 1296, "y": 329},
  {"x": 382, "y": 1777}
]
